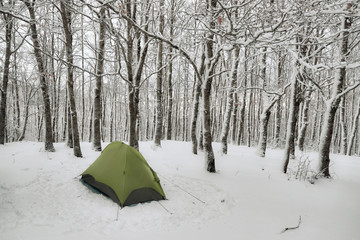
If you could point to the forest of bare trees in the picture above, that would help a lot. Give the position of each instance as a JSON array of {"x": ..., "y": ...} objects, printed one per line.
[{"x": 264, "y": 73}]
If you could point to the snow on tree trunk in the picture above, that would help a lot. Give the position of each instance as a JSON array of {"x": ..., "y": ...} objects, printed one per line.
[
  {"x": 265, "y": 114},
  {"x": 230, "y": 101},
  {"x": 67, "y": 21},
  {"x": 210, "y": 63},
  {"x": 343, "y": 126},
  {"x": 333, "y": 103},
  {"x": 159, "y": 80},
  {"x": 43, "y": 77},
  {"x": 353, "y": 130},
  {"x": 99, "y": 72},
  {"x": 70, "y": 141},
  {"x": 208, "y": 150},
  {"x": 264, "y": 120},
  {"x": 291, "y": 124},
  {"x": 304, "y": 122},
  {"x": 3, "y": 90},
  {"x": 195, "y": 117},
  {"x": 196, "y": 107},
  {"x": 170, "y": 73}
]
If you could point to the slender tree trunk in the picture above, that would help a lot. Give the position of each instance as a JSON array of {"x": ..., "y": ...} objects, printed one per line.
[
  {"x": 243, "y": 103},
  {"x": 98, "y": 87},
  {"x": 82, "y": 78},
  {"x": 344, "y": 139},
  {"x": 67, "y": 22},
  {"x": 5, "y": 80},
  {"x": 26, "y": 114},
  {"x": 230, "y": 101},
  {"x": 333, "y": 103},
  {"x": 234, "y": 118},
  {"x": 70, "y": 139},
  {"x": 304, "y": 122},
  {"x": 91, "y": 123},
  {"x": 170, "y": 74},
  {"x": 159, "y": 81},
  {"x": 65, "y": 116},
  {"x": 355, "y": 126},
  {"x": 206, "y": 93},
  {"x": 265, "y": 114},
  {"x": 195, "y": 113},
  {"x": 278, "y": 104},
  {"x": 43, "y": 77},
  {"x": 291, "y": 123}
]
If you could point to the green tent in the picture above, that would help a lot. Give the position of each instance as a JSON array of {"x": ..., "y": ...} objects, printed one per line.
[{"x": 122, "y": 173}]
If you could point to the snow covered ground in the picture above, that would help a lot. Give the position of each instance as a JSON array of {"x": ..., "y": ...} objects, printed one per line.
[{"x": 248, "y": 198}]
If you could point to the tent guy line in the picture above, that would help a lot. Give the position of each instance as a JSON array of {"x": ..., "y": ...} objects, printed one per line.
[{"x": 181, "y": 188}]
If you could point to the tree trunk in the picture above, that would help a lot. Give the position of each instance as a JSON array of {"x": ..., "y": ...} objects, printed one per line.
[
  {"x": 98, "y": 87},
  {"x": 67, "y": 22},
  {"x": 230, "y": 101},
  {"x": 43, "y": 77},
  {"x": 70, "y": 139},
  {"x": 159, "y": 81},
  {"x": 170, "y": 74},
  {"x": 304, "y": 122},
  {"x": 353, "y": 130},
  {"x": 265, "y": 114},
  {"x": 195, "y": 113},
  {"x": 333, "y": 103},
  {"x": 3, "y": 104},
  {"x": 26, "y": 113},
  {"x": 206, "y": 93},
  {"x": 291, "y": 123},
  {"x": 343, "y": 126}
]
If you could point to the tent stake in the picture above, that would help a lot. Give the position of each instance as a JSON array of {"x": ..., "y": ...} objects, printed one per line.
[{"x": 117, "y": 214}]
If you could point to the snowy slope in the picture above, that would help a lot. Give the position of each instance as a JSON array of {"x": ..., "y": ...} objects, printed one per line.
[{"x": 248, "y": 198}]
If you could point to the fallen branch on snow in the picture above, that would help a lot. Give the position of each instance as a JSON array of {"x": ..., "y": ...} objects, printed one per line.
[{"x": 292, "y": 228}]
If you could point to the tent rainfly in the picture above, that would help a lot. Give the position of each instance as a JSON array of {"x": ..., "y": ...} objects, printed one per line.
[{"x": 122, "y": 173}]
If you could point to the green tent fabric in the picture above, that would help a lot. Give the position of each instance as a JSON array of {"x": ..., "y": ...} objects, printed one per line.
[{"x": 123, "y": 174}]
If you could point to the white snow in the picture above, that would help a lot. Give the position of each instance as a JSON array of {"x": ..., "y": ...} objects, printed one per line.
[{"x": 41, "y": 197}]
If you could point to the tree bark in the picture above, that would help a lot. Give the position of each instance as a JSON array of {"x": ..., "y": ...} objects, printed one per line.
[
  {"x": 206, "y": 92},
  {"x": 265, "y": 114},
  {"x": 98, "y": 87},
  {"x": 195, "y": 113},
  {"x": 67, "y": 22},
  {"x": 170, "y": 73},
  {"x": 344, "y": 140},
  {"x": 333, "y": 103},
  {"x": 353, "y": 130},
  {"x": 230, "y": 101},
  {"x": 3, "y": 104},
  {"x": 304, "y": 122},
  {"x": 43, "y": 77},
  {"x": 159, "y": 81},
  {"x": 291, "y": 123}
]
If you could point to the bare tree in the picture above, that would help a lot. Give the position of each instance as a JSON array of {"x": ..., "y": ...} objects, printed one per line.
[
  {"x": 42, "y": 75},
  {"x": 98, "y": 88},
  {"x": 3, "y": 104},
  {"x": 67, "y": 24},
  {"x": 337, "y": 92},
  {"x": 230, "y": 100},
  {"x": 159, "y": 80}
]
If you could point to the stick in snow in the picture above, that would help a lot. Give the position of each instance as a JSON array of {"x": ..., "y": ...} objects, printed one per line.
[{"x": 292, "y": 228}]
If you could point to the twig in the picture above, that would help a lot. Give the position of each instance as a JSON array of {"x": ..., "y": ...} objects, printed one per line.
[{"x": 292, "y": 228}]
